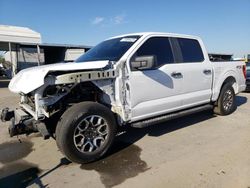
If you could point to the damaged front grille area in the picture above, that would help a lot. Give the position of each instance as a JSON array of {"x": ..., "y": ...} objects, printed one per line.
[
  {"x": 85, "y": 76},
  {"x": 28, "y": 100}
]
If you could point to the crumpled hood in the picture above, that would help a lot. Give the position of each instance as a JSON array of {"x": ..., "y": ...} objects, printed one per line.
[{"x": 30, "y": 79}]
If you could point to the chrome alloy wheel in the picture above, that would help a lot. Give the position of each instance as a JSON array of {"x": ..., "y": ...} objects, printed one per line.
[
  {"x": 228, "y": 100},
  {"x": 90, "y": 134}
]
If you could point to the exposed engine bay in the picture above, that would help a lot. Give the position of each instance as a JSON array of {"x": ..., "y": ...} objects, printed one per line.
[{"x": 60, "y": 91}]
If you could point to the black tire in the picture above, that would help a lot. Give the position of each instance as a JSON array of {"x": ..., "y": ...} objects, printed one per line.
[
  {"x": 72, "y": 123},
  {"x": 226, "y": 103}
]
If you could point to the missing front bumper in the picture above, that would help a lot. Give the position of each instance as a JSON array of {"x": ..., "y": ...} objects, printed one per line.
[{"x": 23, "y": 123}]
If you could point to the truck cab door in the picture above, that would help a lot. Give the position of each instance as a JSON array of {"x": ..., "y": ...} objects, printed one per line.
[
  {"x": 197, "y": 72},
  {"x": 154, "y": 86}
]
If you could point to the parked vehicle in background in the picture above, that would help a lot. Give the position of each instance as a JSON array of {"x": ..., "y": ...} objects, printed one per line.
[
  {"x": 248, "y": 58},
  {"x": 6, "y": 69},
  {"x": 220, "y": 57},
  {"x": 248, "y": 77},
  {"x": 138, "y": 79},
  {"x": 1, "y": 70}
]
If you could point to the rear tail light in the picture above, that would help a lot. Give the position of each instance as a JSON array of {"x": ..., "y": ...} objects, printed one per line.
[{"x": 244, "y": 71}]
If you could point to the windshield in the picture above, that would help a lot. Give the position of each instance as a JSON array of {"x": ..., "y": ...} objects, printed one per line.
[{"x": 111, "y": 50}]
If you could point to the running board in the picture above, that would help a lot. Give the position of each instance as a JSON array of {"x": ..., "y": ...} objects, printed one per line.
[{"x": 160, "y": 119}]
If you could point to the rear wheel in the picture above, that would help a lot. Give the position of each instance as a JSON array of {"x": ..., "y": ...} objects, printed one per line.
[
  {"x": 85, "y": 132},
  {"x": 226, "y": 102}
]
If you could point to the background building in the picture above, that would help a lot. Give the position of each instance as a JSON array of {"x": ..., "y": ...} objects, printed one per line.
[{"x": 23, "y": 48}]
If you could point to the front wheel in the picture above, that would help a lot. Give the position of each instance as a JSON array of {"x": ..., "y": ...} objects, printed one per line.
[
  {"x": 85, "y": 132},
  {"x": 226, "y": 103}
]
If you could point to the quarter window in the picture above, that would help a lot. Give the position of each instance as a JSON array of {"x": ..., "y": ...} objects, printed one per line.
[{"x": 191, "y": 50}]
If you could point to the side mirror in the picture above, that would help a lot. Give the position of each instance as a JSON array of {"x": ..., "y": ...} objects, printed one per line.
[{"x": 143, "y": 62}]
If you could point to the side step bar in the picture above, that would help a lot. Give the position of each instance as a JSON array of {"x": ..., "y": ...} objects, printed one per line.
[{"x": 160, "y": 119}]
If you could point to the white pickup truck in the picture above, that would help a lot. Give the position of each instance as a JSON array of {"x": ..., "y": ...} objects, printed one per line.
[{"x": 136, "y": 79}]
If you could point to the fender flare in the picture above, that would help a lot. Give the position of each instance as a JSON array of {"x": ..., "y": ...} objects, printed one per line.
[{"x": 228, "y": 77}]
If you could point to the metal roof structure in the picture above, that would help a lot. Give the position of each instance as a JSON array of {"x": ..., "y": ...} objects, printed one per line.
[
  {"x": 28, "y": 37},
  {"x": 24, "y": 48},
  {"x": 19, "y": 34},
  {"x": 65, "y": 45},
  {"x": 55, "y": 45}
]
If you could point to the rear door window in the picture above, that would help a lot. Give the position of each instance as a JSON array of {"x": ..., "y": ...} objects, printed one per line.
[{"x": 191, "y": 50}]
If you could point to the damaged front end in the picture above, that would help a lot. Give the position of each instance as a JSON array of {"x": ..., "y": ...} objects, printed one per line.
[{"x": 60, "y": 90}]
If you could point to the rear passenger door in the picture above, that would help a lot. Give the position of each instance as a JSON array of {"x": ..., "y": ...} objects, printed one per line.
[{"x": 196, "y": 72}]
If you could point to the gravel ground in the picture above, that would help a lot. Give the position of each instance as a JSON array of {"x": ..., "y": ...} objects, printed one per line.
[{"x": 201, "y": 150}]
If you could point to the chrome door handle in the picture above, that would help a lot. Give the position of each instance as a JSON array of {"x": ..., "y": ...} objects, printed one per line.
[
  {"x": 207, "y": 71},
  {"x": 176, "y": 75}
]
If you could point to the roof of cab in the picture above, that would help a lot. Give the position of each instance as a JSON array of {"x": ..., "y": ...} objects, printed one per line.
[{"x": 157, "y": 33}]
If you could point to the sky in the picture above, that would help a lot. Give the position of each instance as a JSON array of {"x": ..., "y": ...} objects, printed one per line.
[{"x": 224, "y": 25}]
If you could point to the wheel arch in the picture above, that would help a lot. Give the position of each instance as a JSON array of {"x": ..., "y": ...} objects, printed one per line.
[
  {"x": 230, "y": 80},
  {"x": 229, "y": 77}
]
